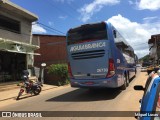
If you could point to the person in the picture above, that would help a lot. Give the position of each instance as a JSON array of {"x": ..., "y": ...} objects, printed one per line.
[
  {"x": 150, "y": 69},
  {"x": 156, "y": 68},
  {"x": 25, "y": 75},
  {"x": 27, "y": 82}
]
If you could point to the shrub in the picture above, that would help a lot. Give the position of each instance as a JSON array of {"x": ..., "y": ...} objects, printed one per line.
[{"x": 60, "y": 72}]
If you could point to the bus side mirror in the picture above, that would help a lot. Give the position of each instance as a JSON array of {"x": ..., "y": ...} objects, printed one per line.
[
  {"x": 139, "y": 87},
  {"x": 114, "y": 33}
]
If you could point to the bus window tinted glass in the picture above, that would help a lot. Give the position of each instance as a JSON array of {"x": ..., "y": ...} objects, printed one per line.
[{"x": 87, "y": 32}]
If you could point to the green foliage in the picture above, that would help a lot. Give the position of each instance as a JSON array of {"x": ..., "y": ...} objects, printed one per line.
[
  {"x": 60, "y": 73},
  {"x": 145, "y": 58}
]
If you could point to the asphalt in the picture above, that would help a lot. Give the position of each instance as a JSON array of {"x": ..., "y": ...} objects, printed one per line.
[{"x": 10, "y": 90}]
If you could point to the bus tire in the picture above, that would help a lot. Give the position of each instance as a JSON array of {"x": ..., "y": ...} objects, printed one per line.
[
  {"x": 135, "y": 72},
  {"x": 124, "y": 86},
  {"x": 127, "y": 80},
  {"x": 92, "y": 89}
]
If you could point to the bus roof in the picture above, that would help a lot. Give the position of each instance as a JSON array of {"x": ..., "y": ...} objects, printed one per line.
[{"x": 84, "y": 26}]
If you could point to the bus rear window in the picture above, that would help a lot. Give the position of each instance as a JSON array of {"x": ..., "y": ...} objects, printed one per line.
[{"x": 88, "y": 32}]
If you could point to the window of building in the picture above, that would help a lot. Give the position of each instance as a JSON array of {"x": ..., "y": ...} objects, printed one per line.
[{"x": 9, "y": 24}]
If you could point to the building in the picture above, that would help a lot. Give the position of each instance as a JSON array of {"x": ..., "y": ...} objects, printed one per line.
[
  {"x": 154, "y": 48},
  {"x": 52, "y": 50},
  {"x": 16, "y": 43}
]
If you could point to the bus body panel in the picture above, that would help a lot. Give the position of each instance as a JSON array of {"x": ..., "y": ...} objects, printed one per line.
[
  {"x": 92, "y": 72},
  {"x": 82, "y": 61},
  {"x": 98, "y": 83}
]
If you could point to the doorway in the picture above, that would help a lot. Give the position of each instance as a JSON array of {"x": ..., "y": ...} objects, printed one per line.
[{"x": 11, "y": 66}]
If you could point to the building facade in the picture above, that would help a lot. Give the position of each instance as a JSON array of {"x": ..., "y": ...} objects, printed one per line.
[
  {"x": 52, "y": 50},
  {"x": 16, "y": 43},
  {"x": 154, "y": 48}
]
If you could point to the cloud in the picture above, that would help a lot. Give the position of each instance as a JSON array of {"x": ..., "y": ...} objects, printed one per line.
[
  {"x": 38, "y": 29},
  {"x": 62, "y": 17},
  {"x": 88, "y": 10},
  {"x": 137, "y": 34},
  {"x": 131, "y": 2},
  {"x": 62, "y": 1},
  {"x": 51, "y": 23},
  {"x": 148, "y": 4},
  {"x": 149, "y": 19}
]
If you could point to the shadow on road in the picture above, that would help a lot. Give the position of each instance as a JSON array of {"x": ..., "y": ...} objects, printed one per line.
[
  {"x": 82, "y": 95},
  {"x": 25, "y": 97},
  {"x": 134, "y": 77}
]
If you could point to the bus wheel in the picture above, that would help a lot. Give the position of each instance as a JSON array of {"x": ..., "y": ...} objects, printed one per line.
[
  {"x": 124, "y": 86},
  {"x": 127, "y": 81},
  {"x": 92, "y": 89},
  {"x": 135, "y": 72}
]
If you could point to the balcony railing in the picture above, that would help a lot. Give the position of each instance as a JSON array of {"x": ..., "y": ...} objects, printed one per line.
[{"x": 21, "y": 38}]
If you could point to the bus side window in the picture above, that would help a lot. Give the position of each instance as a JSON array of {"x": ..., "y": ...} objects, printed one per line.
[{"x": 114, "y": 33}]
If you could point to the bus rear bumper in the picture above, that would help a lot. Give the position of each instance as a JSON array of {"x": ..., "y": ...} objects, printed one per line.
[{"x": 96, "y": 83}]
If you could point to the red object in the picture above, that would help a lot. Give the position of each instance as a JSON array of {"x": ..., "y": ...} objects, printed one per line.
[
  {"x": 69, "y": 70},
  {"x": 52, "y": 49},
  {"x": 89, "y": 83},
  {"x": 21, "y": 90},
  {"x": 111, "y": 68}
]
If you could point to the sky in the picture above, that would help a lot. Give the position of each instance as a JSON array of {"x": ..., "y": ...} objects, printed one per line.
[{"x": 136, "y": 20}]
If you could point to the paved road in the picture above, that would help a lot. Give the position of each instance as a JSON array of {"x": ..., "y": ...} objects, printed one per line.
[{"x": 74, "y": 99}]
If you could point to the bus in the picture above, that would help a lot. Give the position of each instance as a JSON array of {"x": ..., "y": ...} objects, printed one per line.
[{"x": 99, "y": 57}]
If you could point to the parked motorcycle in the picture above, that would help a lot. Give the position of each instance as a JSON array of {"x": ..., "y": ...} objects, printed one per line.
[{"x": 29, "y": 86}]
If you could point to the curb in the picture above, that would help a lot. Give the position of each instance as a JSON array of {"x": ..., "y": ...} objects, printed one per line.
[
  {"x": 26, "y": 94},
  {"x": 5, "y": 89}
]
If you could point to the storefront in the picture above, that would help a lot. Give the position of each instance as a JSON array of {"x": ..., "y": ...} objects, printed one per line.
[
  {"x": 11, "y": 66},
  {"x": 13, "y": 60}
]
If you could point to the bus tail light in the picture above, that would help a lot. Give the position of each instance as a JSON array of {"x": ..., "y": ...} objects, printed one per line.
[
  {"x": 70, "y": 71},
  {"x": 111, "y": 68}
]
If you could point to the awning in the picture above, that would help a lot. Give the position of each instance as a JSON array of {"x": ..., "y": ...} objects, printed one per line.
[
  {"x": 11, "y": 42},
  {"x": 31, "y": 53}
]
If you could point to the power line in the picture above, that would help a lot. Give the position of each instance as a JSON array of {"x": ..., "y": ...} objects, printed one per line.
[
  {"x": 68, "y": 12},
  {"x": 44, "y": 26},
  {"x": 53, "y": 31},
  {"x": 51, "y": 28}
]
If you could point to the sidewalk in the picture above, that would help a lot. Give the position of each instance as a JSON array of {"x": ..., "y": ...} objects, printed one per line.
[{"x": 12, "y": 93}]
